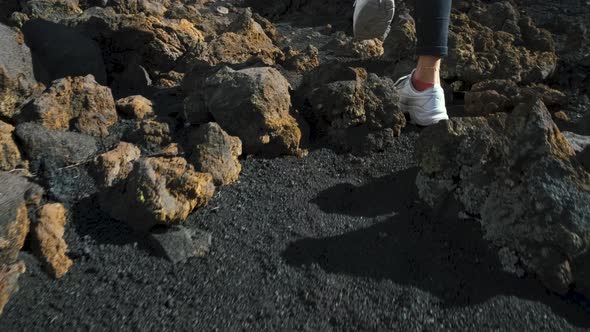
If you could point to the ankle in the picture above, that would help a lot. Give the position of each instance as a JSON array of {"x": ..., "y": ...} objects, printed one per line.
[{"x": 421, "y": 85}]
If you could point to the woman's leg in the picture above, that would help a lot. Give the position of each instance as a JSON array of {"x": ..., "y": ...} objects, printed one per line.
[{"x": 432, "y": 29}]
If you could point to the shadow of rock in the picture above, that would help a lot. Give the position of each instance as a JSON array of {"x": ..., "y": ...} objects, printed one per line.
[
  {"x": 440, "y": 254},
  {"x": 60, "y": 51},
  {"x": 89, "y": 220}
]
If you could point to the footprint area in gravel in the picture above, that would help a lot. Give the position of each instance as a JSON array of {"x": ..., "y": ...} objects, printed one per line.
[{"x": 327, "y": 242}]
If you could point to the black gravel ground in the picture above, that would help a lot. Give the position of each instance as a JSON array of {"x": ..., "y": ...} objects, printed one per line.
[{"x": 329, "y": 242}]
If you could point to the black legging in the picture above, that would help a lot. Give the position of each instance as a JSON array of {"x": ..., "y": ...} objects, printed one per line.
[{"x": 432, "y": 26}]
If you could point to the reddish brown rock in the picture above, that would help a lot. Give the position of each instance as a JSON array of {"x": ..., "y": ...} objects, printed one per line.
[
  {"x": 244, "y": 40},
  {"x": 253, "y": 104},
  {"x": 301, "y": 61},
  {"x": 9, "y": 275},
  {"x": 75, "y": 103},
  {"x": 48, "y": 242},
  {"x": 159, "y": 190},
  {"x": 366, "y": 49},
  {"x": 215, "y": 152},
  {"x": 149, "y": 134},
  {"x": 135, "y": 107},
  {"x": 113, "y": 167}
]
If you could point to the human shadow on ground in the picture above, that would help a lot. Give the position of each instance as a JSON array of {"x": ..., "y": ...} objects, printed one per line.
[{"x": 435, "y": 252}]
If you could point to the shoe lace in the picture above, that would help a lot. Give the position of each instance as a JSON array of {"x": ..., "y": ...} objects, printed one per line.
[{"x": 400, "y": 81}]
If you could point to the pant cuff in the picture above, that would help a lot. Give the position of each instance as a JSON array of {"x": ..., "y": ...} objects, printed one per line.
[{"x": 441, "y": 51}]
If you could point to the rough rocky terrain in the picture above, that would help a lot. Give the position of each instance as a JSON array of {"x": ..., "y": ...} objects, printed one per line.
[{"x": 223, "y": 165}]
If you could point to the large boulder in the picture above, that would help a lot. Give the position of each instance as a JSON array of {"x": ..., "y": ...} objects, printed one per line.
[
  {"x": 349, "y": 106},
  {"x": 16, "y": 193},
  {"x": 519, "y": 174},
  {"x": 17, "y": 79},
  {"x": 74, "y": 103},
  {"x": 47, "y": 241},
  {"x": 10, "y": 158},
  {"x": 159, "y": 190},
  {"x": 244, "y": 40},
  {"x": 253, "y": 104},
  {"x": 60, "y": 51},
  {"x": 60, "y": 159},
  {"x": 215, "y": 152},
  {"x": 493, "y": 96},
  {"x": 496, "y": 41},
  {"x": 134, "y": 43}
]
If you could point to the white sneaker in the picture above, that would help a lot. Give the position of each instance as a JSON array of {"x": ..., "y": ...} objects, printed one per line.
[
  {"x": 372, "y": 18},
  {"x": 425, "y": 107}
]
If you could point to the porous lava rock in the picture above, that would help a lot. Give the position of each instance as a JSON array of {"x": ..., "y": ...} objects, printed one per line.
[
  {"x": 135, "y": 107},
  {"x": 59, "y": 159},
  {"x": 493, "y": 96},
  {"x": 159, "y": 190},
  {"x": 47, "y": 241},
  {"x": 244, "y": 39},
  {"x": 301, "y": 61},
  {"x": 519, "y": 174},
  {"x": 253, "y": 104},
  {"x": 339, "y": 101},
  {"x": 17, "y": 79},
  {"x": 215, "y": 152},
  {"x": 113, "y": 167},
  {"x": 74, "y": 103},
  {"x": 50, "y": 10},
  {"x": 10, "y": 156},
  {"x": 496, "y": 41},
  {"x": 150, "y": 134},
  {"x": 16, "y": 193},
  {"x": 9, "y": 274}
]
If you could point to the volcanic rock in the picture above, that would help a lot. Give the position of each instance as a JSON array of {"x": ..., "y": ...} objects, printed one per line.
[
  {"x": 154, "y": 43},
  {"x": 244, "y": 40},
  {"x": 51, "y": 10},
  {"x": 78, "y": 103},
  {"x": 519, "y": 174},
  {"x": 113, "y": 167},
  {"x": 159, "y": 190},
  {"x": 135, "y": 107},
  {"x": 60, "y": 51},
  {"x": 59, "y": 158},
  {"x": 496, "y": 41},
  {"x": 301, "y": 61},
  {"x": 178, "y": 244},
  {"x": 17, "y": 80},
  {"x": 338, "y": 100},
  {"x": 9, "y": 275},
  {"x": 149, "y": 134},
  {"x": 258, "y": 111},
  {"x": 15, "y": 194},
  {"x": 215, "y": 152},
  {"x": 150, "y": 7},
  {"x": 10, "y": 158},
  {"x": 493, "y": 96},
  {"x": 48, "y": 242}
]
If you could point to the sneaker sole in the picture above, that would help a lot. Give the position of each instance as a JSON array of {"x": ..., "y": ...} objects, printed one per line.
[
  {"x": 371, "y": 20},
  {"x": 429, "y": 121}
]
